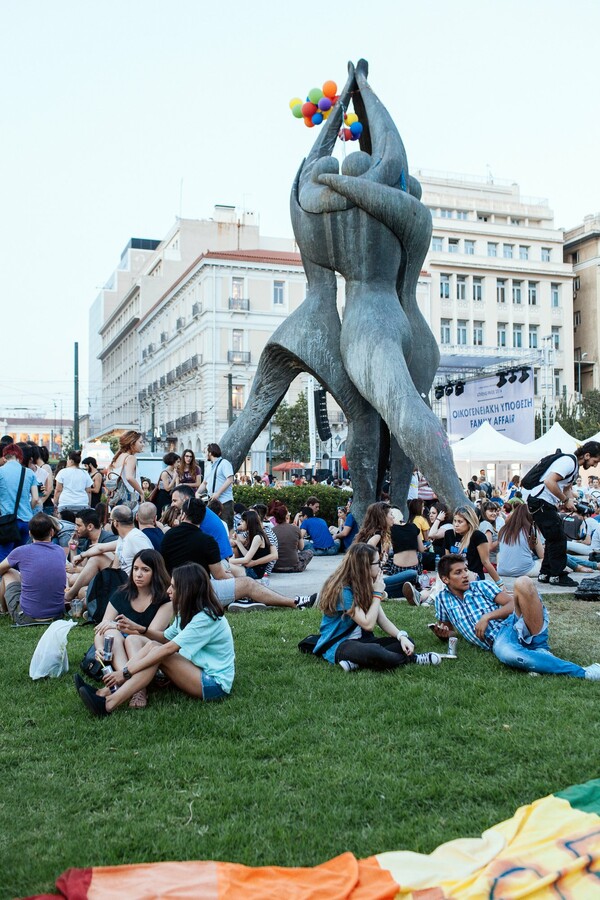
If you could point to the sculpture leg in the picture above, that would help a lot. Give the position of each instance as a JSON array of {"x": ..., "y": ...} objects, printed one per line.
[{"x": 401, "y": 469}]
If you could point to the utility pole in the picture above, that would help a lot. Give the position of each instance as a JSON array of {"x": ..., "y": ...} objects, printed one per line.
[
  {"x": 230, "y": 400},
  {"x": 152, "y": 429},
  {"x": 76, "y": 400}
]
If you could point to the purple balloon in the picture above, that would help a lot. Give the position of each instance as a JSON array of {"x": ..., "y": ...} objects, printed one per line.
[
  {"x": 324, "y": 104},
  {"x": 317, "y": 118}
]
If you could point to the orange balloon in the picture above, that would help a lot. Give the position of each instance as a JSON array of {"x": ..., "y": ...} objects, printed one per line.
[
  {"x": 330, "y": 89},
  {"x": 309, "y": 122}
]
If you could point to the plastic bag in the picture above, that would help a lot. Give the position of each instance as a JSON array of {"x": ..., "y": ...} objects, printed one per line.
[{"x": 50, "y": 655}]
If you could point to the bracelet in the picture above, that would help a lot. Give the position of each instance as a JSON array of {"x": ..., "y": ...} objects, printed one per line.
[
  {"x": 500, "y": 582},
  {"x": 378, "y": 593},
  {"x": 401, "y": 634}
]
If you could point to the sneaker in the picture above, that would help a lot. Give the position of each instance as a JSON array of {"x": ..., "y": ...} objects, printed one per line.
[
  {"x": 306, "y": 601},
  {"x": 411, "y": 593},
  {"x": 428, "y": 659},
  {"x": 543, "y": 578},
  {"x": 563, "y": 581},
  {"x": 592, "y": 673},
  {"x": 246, "y": 605},
  {"x": 348, "y": 666}
]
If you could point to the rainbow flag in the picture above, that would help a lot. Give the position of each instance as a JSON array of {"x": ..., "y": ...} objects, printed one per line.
[{"x": 548, "y": 849}]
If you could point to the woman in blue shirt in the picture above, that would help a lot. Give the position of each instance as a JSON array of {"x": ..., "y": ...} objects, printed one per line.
[
  {"x": 197, "y": 654},
  {"x": 351, "y": 603}
]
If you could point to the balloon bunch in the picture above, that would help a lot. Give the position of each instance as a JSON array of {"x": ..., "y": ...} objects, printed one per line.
[{"x": 317, "y": 107}]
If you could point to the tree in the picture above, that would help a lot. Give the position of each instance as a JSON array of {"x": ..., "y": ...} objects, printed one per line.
[
  {"x": 581, "y": 419},
  {"x": 292, "y": 440}
]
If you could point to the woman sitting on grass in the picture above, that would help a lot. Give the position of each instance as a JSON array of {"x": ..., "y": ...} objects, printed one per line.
[
  {"x": 196, "y": 652},
  {"x": 383, "y": 528},
  {"x": 254, "y": 552},
  {"x": 467, "y": 540},
  {"x": 140, "y": 607},
  {"x": 351, "y": 603}
]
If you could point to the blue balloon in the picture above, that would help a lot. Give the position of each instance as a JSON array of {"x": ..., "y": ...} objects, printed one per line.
[
  {"x": 356, "y": 129},
  {"x": 317, "y": 118}
]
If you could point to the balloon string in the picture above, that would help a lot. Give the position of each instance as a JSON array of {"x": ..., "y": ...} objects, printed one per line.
[{"x": 343, "y": 133}]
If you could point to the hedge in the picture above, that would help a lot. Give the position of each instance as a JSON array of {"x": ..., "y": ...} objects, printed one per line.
[{"x": 294, "y": 498}]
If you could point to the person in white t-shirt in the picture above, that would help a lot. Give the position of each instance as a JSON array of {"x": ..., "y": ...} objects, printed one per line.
[
  {"x": 218, "y": 481},
  {"x": 555, "y": 488},
  {"x": 73, "y": 485}
]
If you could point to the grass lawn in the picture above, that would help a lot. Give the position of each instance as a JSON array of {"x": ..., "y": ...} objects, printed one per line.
[{"x": 303, "y": 761}]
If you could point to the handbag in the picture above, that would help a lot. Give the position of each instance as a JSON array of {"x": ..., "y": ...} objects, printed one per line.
[
  {"x": 9, "y": 526},
  {"x": 90, "y": 666},
  {"x": 308, "y": 644}
]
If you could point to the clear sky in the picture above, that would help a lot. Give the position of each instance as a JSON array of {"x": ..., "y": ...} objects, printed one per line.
[{"x": 118, "y": 116}]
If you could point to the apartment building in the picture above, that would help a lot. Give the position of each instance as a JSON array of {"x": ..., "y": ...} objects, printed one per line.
[
  {"x": 501, "y": 293},
  {"x": 582, "y": 252}
]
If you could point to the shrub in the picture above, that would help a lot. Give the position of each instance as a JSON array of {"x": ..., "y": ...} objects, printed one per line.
[{"x": 294, "y": 497}]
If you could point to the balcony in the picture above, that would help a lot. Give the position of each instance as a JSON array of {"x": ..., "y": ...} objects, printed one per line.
[
  {"x": 170, "y": 427},
  {"x": 171, "y": 376},
  {"x": 187, "y": 421},
  {"x": 239, "y": 357},
  {"x": 180, "y": 324},
  {"x": 164, "y": 337},
  {"x": 239, "y": 304},
  {"x": 163, "y": 381},
  {"x": 142, "y": 396},
  {"x": 196, "y": 310}
]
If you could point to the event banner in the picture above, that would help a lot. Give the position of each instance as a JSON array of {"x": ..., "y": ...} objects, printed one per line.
[{"x": 508, "y": 409}]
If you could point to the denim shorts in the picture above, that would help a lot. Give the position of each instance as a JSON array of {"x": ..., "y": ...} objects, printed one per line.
[{"x": 211, "y": 689}]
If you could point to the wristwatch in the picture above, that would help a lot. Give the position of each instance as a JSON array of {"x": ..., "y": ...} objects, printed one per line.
[{"x": 126, "y": 673}]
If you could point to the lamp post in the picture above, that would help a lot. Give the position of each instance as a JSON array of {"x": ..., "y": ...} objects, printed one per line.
[{"x": 582, "y": 356}]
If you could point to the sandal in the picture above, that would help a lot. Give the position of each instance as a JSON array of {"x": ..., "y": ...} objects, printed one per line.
[{"x": 139, "y": 700}]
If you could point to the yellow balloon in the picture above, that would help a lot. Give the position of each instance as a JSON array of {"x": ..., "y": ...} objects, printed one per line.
[
  {"x": 326, "y": 113},
  {"x": 351, "y": 118},
  {"x": 294, "y": 101}
]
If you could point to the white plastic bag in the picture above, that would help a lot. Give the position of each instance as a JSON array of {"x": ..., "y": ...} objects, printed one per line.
[{"x": 50, "y": 655}]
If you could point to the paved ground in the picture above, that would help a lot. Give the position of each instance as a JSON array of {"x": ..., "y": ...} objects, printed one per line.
[{"x": 321, "y": 567}]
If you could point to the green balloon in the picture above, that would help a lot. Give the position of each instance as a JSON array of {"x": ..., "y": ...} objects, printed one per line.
[
  {"x": 297, "y": 110},
  {"x": 314, "y": 95}
]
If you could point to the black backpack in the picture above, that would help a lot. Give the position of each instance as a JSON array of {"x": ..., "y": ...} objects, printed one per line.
[
  {"x": 534, "y": 477},
  {"x": 589, "y": 589}
]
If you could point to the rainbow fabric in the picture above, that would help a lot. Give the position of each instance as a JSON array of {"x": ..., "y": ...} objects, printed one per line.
[{"x": 549, "y": 849}]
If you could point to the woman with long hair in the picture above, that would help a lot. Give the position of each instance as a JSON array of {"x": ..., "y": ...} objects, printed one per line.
[
  {"x": 376, "y": 528},
  {"x": 380, "y": 529},
  {"x": 350, "y": 601},
  {"x": 138, "y": 608},
  {"x": 468, "y": 541},
  {"x": 291, "y": 555},
  {"x": 490, "y": 524},
  {"x": 415, "y": 514},
  {"x": 254, "y": 551},
  {"x": 195, "y": 652},
  {"x": 124, "y": 465},
  {"x": 187, "y": 470},
  {"x": 73, "y": 487},
  {"x": 520, "y": 550},
  {"x": 440, "y": 521}
]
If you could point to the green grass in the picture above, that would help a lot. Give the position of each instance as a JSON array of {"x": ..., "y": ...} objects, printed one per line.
[{"x": 303, "y": 761}]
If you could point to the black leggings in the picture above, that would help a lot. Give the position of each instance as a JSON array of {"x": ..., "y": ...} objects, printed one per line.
[{"x": 373, "y": 653}]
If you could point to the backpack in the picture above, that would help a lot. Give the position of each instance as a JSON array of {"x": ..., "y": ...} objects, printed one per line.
[
  {"x": 100, "y": 590},
  {"x": 589, "y": 589},
  {"x": 534, "y": 477},
  {"x": 571, "y": 524}
]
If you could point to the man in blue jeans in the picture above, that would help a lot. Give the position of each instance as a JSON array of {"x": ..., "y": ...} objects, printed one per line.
[
  {"x": 515, "y": 630},
  {"x": 316, "y": 534}
]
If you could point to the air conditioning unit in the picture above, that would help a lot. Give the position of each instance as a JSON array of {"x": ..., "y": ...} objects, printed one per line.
[
  {"x": 180, "y": 323},
  {"x": 196, "y": 309}
]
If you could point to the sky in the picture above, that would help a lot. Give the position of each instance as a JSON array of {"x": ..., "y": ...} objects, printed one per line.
[{"x": 119, "y": 116}]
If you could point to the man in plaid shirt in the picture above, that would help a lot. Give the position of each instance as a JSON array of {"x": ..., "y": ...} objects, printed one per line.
[{"x": 514, "y": 628}]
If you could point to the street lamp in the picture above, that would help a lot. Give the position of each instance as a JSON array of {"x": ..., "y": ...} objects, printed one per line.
[{"x": 582, "y": 356}]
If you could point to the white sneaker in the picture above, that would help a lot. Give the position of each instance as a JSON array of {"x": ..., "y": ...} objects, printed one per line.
[
  {"x": 348, "y": 666},
  {"x": 410, "y": 592},
  {"x": 428, "y": 659},
  {"x": 592, "y": 673}
]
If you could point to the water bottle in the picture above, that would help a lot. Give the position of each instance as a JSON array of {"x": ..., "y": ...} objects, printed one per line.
[{"x": 437, "y": 559}]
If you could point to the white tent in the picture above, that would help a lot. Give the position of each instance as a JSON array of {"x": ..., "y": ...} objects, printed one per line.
[
  {"x": 554, "y": 439},
  {"x": 486, "y": 445}
]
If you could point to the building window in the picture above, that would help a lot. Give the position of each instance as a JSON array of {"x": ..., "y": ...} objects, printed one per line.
[
  {"x": 546, "y": 254},
  {"x": 574, "y": 256},
  {"x": 445, "y": 287},
  {"x": 461, "y": 331},
  {"x": 576, "y": 318},
  {"x": 278, "y": 291},
  {"x": 461, "y": 287},
  {"x": 470, "y": 248},
  {"x": 478, "y": 334},
  {"x": 507, "y": 251},
  {"x": 445, "y": 336},
  {"x": 532, "y": 287},
  {"x": 536, "y": 375},
  {"x": 481, "y": 217},
  {"x": 514, "y": 221},
  {"x": 517, "y": 336},
  {"x": 516, "y": 291},
  {"x": 237, "y": 288},
  {"x": 523, "y": 252},
  {"x": 237, "y": 340},
  {"x": 437, "y": 244},
  {"x": 477, "y": 289},
  {"x": 237, "y": 397},
  {"x": 461, "y": 214},
  {"x": 533, "y": 337},
  {"x": 492, "y": 249},
  {"x": 501, "y": 334},
  {"x": 555, "y": 295},
  {"x": 557, "y": 373},
  {"x": 556, "y": 337},
  {"x": 446, "y": 213},
  {"x": 501, "y": 290},
  {"x": 453, "y": 245}
]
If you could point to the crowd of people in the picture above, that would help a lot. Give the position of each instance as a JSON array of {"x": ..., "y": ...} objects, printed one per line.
[{"x": 167, "y": 560}]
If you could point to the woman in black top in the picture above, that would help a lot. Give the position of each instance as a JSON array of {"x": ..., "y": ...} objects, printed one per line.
[
  {"x": 140, "y": 607},
  {"x": 92, "y": 466},
  {"x": 254, "y": 552},
  {"x": 466, "y": 540}
]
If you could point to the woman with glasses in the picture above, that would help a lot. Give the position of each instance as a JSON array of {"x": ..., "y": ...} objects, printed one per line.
[
  {"x": 350, "y": 601},
  {"x": 188, "y": 471}
]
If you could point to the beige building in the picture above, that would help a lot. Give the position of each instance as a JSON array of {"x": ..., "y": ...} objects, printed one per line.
[
  {"x": 500, "y": 292},
  {"x": 582, "y": 252}
]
